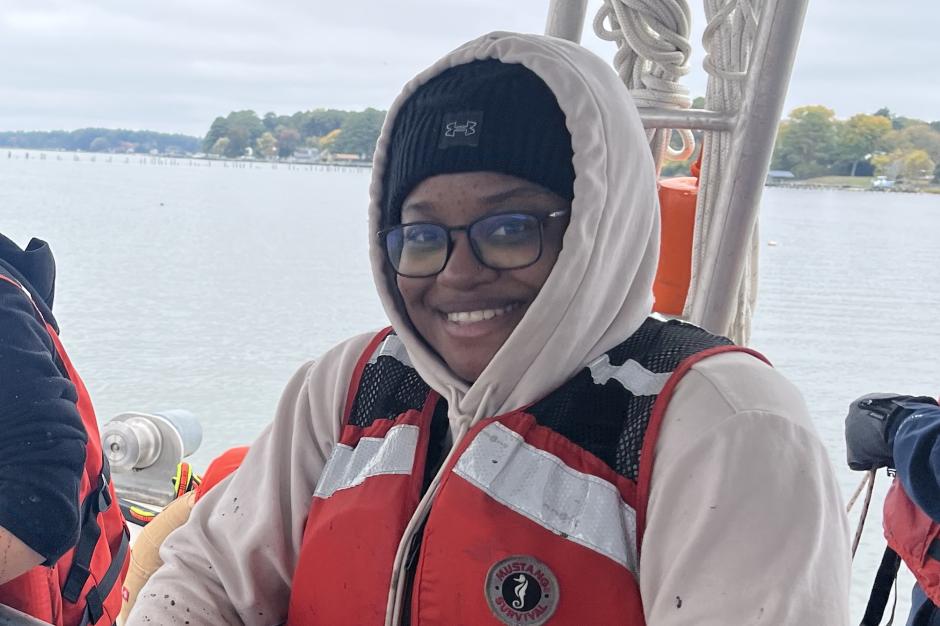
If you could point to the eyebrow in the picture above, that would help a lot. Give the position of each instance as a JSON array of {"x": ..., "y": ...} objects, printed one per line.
[{"x": 525, "y": 191}]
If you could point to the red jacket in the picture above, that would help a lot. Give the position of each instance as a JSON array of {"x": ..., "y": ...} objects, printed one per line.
[
  {"x": 915, "y": 537},
  {"x": 84, "y": 586}
]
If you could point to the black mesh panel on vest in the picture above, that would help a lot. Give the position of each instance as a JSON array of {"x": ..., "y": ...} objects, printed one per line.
[
  {"x": 607, "y": 420},
  {"x": 388, "y": 388}
]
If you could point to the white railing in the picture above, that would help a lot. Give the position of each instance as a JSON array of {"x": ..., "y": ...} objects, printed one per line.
[{"x": 752, "y": 45}]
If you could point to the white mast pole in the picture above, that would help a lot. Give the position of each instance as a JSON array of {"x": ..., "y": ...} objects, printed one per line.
[
  {"x": 566, "y": 19},
  {"x": 749, "y": 159}
]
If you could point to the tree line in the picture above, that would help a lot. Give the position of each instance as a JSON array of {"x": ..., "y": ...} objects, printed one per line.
[
  {"x": 811, "y": 142},
  {"x": 324, "y": 131},
  {"x": 101, "y": 140}
]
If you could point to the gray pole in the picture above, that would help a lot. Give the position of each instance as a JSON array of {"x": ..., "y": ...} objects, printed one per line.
[
  {"x": 566, "y": 19},
  {"x": 749, "y": 159}
]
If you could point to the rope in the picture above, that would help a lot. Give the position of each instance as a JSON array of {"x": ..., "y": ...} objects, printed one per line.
[
  {"x": 869, "y": 480},
  {"x": 653, "y": 50},
  {"x": 728, "y": 39}
]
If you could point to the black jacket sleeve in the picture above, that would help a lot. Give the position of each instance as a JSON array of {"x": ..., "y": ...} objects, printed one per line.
[{"x": 42, "y": 439}]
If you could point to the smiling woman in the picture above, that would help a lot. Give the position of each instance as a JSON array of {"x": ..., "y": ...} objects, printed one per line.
[
  {"x": 524, "y": 444},
  {"x": 481, "y": 287}
]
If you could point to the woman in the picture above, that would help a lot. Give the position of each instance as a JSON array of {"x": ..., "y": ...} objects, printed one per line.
[{"x": 519, "y": 450}]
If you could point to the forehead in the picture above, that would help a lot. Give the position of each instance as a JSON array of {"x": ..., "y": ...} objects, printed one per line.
[{"x": 457, "y": 195}]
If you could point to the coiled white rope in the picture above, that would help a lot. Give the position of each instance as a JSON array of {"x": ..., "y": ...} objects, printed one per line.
[
  {"x": 728, "y": 40},
  {"x": 653, "y": 50}
]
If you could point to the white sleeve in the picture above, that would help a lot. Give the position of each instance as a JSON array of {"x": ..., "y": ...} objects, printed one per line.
[
  {"x": 233, "y": 561},
  {"x": 745, "y": 523}
]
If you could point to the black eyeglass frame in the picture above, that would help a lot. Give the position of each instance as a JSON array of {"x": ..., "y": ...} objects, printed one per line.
[{"x": 541, "y": 219}]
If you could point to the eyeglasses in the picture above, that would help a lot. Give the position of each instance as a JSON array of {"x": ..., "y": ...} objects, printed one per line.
[{"x": 504, "y": 241}]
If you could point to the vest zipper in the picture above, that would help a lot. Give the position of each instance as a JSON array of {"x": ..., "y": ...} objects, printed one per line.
[
  {"x": 437, "y": 444},
  {"x": 414, "y": 531}
]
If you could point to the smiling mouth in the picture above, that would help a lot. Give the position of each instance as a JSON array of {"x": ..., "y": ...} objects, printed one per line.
[{"x": 472, "y": 317}]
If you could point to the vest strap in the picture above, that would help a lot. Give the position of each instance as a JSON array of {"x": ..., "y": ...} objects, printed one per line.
[
  {"x": 881, "y": 588},
  {"x": 95, "y": 502},
  {"x": 94, "y": 606},
  {"x": 934, "y": 550}
]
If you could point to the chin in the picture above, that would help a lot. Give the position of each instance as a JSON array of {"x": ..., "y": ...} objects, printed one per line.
[{"x": 467, "y": 372}]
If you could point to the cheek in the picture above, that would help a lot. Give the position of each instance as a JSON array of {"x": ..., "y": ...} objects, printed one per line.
[
  {"x": 411, "y": 290},
  {"x": 536, "y": 275}
]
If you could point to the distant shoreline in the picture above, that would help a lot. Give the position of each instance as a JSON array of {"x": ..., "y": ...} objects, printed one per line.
[
  {"x": 112, "y": 157},
  {"x": 856, "y": 183},
  {"x": 253, "y": 163}
]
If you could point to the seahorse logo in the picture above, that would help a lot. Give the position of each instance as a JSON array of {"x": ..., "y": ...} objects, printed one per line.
[
  {"x": 522, "y": 583},
  {"x": 521, "y": 591}
]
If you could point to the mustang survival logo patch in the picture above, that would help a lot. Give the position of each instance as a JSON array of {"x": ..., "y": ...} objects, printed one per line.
[{"x": 521, "y": 591}]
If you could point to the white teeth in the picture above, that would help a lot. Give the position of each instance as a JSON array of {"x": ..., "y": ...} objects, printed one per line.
[{"x": 469, "y": 317}]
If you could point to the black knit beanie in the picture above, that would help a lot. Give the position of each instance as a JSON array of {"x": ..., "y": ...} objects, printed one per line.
[{"x": 481, "y": 116}]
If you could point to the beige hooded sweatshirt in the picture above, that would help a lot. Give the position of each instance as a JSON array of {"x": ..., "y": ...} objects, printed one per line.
[{"x": 745, "y": 522}]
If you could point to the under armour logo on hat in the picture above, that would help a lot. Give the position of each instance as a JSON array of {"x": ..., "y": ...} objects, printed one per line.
[
  {"x": 467, "y": 128},
  {"x": 462, "y": 128}
]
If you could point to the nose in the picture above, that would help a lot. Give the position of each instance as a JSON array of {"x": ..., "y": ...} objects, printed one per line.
[{"x": 463, "y": 269}]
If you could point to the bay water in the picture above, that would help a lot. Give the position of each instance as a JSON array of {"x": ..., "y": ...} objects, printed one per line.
[{"x": 204, "y": 285}]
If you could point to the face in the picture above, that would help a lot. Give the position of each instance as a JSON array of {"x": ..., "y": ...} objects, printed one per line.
[{"x": 467, "y": 311}]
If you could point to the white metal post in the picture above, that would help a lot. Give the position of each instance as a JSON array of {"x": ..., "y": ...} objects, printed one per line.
[
  {"x": 749, "y": 159},
  {"x": 566, "y": 19}
]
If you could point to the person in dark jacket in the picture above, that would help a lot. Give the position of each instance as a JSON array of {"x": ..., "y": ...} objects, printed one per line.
[
  {"x": 42, "y": 448},
  {"x": 901, "y": 432}
]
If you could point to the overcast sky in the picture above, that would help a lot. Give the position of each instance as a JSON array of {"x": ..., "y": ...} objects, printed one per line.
[{"x": 175, "y": 65}]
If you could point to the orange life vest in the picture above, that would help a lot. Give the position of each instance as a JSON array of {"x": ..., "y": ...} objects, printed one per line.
[
  {"x": 84, "y": 586},
  {"x": 540, "y": 513}
]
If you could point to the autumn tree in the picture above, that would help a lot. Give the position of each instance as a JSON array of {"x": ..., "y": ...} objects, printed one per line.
[
  {"x": 319, "y": 122},
  {"x": 860, "y": 137},
  {"x": 909, "y": 164},
  {"x": 360, "y": 132},
  {"x": 220, "y": 147},
  {"x": 287, "y": 141},
  {"x": 267, "y": 145},
  {"x": 218, "y": 130},
  {"x": 806, "y": 142},
  {"x": 326, "y": 141},
  {"x": 920, "y": 136},
  {"x": 244, "y": 128}
]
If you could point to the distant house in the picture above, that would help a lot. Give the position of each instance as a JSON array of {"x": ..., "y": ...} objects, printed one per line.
[
  {"x": 305, "y": 155},
  {"x": 346, "y": 157},
  {"x": 778, "y": 177}
]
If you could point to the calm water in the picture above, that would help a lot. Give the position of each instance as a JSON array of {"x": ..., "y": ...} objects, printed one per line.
[{"x": 182, "y": 285}]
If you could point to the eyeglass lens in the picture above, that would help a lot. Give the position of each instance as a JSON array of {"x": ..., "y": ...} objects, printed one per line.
[{"x": 504, "y": 241}]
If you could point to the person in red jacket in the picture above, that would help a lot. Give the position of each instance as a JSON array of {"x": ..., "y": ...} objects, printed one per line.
[
  {"x": 903, "y": 432},
  {"x": 39, "y": 512},
  {"x": 63, "y": 547}
]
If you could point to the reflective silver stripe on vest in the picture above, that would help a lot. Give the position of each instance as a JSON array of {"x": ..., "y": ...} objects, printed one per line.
[
  {"x": 581, "y": 507},
  {"x": 348, "y": 467},
  {"x": 634, "y": 377},
  {"x": 393, "y": 347}
]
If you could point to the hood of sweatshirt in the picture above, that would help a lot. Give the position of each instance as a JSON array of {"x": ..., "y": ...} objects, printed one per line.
[{"x": 601, "y": 288}]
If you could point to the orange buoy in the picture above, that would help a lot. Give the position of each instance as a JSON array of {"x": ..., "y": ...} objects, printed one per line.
[{"x": 677, "y": 199}]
